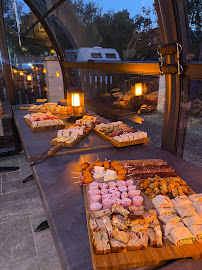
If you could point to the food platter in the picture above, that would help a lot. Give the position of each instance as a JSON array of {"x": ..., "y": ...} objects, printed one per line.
[
  {"x": 121, "y": 144},
  {"x": 80, "y": 137},
  {"x": 43, "y": 128},
  {"x": 139, "y": 258}
]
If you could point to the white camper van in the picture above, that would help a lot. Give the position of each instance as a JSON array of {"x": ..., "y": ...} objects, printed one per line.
[{"x": 92, "y": 54}]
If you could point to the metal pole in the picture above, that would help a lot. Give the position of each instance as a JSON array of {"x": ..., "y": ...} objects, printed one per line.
[{"x": 5, "y": 60}]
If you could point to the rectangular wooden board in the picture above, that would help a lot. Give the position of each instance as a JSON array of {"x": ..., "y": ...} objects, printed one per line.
[
  {"x": 43, "y": 128},
  {"x": 74, "y": 142},
  {"x": 42, "y": 111},
  {"x": 121, "y": 144},
  {"x": 140, "y": 258}
]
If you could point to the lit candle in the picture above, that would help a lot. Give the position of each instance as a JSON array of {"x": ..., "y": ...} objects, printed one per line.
[
  {"x": 29, "y": 77},
  {"x": 75, "y": 100},
  {"x": 138, "y": 89}
]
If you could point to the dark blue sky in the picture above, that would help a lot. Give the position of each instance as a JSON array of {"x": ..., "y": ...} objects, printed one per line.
[{"x": 133, "y": 6}]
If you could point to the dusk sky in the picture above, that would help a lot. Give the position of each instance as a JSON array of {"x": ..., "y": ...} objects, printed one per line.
[{"x": 133, "y": 6}]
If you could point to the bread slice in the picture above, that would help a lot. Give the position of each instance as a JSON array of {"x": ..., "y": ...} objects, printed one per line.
[
  {"x": 118, "y": 222},
  {"x": 121, "y": 236},
  {"x": 139, "y": 227},
  {"x": 150, "y": 216},
  {"x": 152, "y": 236},
  {"x": 93, "y": 225},
  {"x": 101, "y": 213},
  {"x": 137, "y": 210},
  {"x": 159, "y": 240},
  {"x": 134, "y": 243},
  {"x": 101, "y": 242},
  {"x": 117, "y": 246},
  {"x": 143, "y": 239},
  {"x": 118, "y": 209},
  {"x": 108, "y": 226}
]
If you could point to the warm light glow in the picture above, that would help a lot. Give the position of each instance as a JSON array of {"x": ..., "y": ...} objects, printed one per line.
[
  {"x": 36, "y": 68},
  {"x": 57, "y": 74},
  {"x": 15, "y": 71},
  {"x": 51, "y": 51},
  {"x": 44, "y": 70},
  {"x": 75, "y": 100},
  {"x": 29, "y": 77},
  {"x": 32, "y": 67},
  {"x": 138, "y": 89},
  {"x": 21, "y": 73}
]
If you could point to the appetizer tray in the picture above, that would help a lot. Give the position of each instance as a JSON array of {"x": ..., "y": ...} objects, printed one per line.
[
  {"x": 43, "y": 128},
  {"x": 139, "y": 258},
  {"x": 43, "y": 111},
  {"x": 80, "y": 137},
  {"x": 121, "y": 144}
]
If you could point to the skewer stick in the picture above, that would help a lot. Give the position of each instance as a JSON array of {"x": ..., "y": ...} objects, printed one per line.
[
  {"x": 76, "y": 172},
  {"x": 75, "y": 177},
  {"x": 82, "y": 158},
  {"x": 77, "y": 182},
  {"x": 98, "y": 158}
]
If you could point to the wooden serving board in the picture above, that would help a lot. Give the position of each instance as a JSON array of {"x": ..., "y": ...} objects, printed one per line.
[
  {"x": 140, "y": 258},
  {"x": 121, "y": 144},
  {"x": 43, "y": 128},
  {"x": 74, "y": 142}
]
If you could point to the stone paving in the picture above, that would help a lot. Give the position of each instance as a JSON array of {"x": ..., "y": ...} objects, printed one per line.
[{"x": 21, "y": 211}]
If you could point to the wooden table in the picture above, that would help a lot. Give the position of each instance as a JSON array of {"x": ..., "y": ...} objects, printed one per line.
[
  {"x": 64, "y": 203},
  {"x": 36, "y": 143}
]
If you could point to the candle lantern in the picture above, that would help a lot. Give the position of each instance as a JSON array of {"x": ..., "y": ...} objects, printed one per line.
[
  {"x": 138, "y": 93},
  {"x": 75, "y": 103}
]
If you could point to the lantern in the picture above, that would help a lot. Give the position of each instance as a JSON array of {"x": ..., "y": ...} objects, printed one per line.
[
  {"x": 75, "y": 103},
  {"x": 44, "y": 70},
  {"x": 15, "y": 71},
  {"x": 138, "y": 94},
  {"x": 57, "y": 74},
  {"x": 21, "y": 73},
  {"x": 29, "y": 77}
]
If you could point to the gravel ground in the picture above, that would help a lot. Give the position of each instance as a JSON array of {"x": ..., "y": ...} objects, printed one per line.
[{"x": 153, "y": 124}]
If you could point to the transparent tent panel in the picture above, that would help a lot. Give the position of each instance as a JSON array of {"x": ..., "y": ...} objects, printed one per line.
[
  {"x": 115, "y": 97},
  {"x": 130, "y": 30}
]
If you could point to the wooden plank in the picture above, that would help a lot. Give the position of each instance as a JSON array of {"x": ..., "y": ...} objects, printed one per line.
[
  {"x": 44, "y": 128},
  {"x": 122, "y": 144},
  {"x": 146, "y": 68}
]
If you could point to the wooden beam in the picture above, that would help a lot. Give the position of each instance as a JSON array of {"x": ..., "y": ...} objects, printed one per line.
[
  {"x": 5, "y": 59},
  {"x": 145, "y": 68},
  {"x": 193, "y": 71}
]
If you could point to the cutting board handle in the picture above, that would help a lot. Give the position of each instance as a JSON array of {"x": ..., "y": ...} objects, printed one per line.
[{"x": 54, "y": 149}]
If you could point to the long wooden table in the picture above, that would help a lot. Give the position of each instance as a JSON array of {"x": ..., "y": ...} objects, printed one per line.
[{"x": 64, "y": 202}]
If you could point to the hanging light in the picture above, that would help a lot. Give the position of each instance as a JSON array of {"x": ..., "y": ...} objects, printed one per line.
[
  {"x": 44, "y": 70},
  {"x": 32, "y": 67},
  {"x": 21, "y": 73},
  {"x": 15, "y": 71}
]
